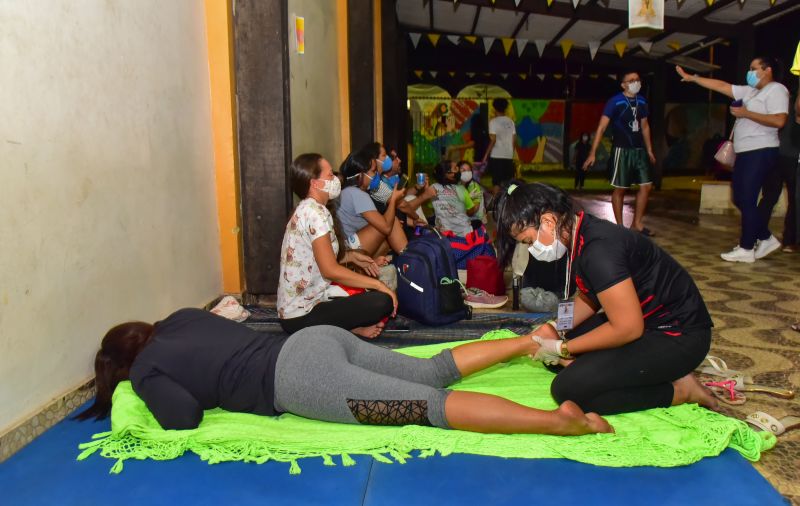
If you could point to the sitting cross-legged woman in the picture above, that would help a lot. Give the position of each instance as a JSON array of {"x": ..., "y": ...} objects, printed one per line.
[
  {"x": 311, "y": 257},
  {"x": 364, "y": 227},
  {"x": 194, "y": 360},
  {"x": 654, "y": 329}
]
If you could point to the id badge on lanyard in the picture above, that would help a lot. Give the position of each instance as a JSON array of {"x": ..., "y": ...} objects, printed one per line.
[
  {"x": 565, "y": 319},
  {"x": 566, "y": 315}
]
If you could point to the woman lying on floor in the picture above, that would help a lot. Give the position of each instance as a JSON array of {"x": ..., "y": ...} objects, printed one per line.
[
  {"x": 639, "y": 353},
  {"x": 311, "y": 257},
  {"x": 195, "y": 360}
]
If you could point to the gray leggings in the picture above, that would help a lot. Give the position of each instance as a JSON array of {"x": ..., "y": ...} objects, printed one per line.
[{"x": 327, "y": 373}]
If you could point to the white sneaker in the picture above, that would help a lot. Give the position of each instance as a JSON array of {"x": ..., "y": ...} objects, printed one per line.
[
  {"x": 738, "y": 254},
  {"x": 767, "y": 246}
]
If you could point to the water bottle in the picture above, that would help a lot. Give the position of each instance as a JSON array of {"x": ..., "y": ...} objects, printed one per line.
[{"x": 515, "y": 292}]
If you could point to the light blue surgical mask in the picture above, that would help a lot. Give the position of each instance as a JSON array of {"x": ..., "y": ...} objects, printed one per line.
[
  {"x": 752, "y": 78},
  {"x": 386, "y": 164},
  {"x": 374, "y": 182}
]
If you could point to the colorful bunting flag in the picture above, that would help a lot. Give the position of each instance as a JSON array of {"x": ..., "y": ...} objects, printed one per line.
[
  {"x": 674, "y": 45},
  {"x": 575, "y": 3},
  {"x": 521, "y": 43},
  {"x": 709, "y": 2},
  {"x": 540, "y": 45},
  {"x": 621, "y": 46},
  {"x": 415, "y": 38},
  {"x": 434, "y": 73},
  {"x": 507, "y": 43},
  {"x": 523, "y": 76},
  {"x": 646, "y": 46},
  {"x": 594, "y": 76},
  {"x": 470, "y": 38},
  {"x": 418, "y": 73},
  {"x": 451, "y": 74},
  {"x": 470, "y": 74},
  {"x": 434, "y": 38},
  {"x": 504, "y": 75},
  {"x": 558, "y": 76},
  {"x": 455, "y": 39},
  {"x": 540, "y": 76},
  {"x": 549, "y": 3},
  {"x": 594, "y": 45},
  {"x": 487, "y": 44},
  {"x": 566, "y": 45}
]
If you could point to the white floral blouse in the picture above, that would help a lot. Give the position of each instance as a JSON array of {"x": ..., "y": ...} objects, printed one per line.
[{"x": 301, "y": 285}]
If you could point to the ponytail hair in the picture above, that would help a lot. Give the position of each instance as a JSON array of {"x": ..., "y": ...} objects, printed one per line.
[{"x": 120, "y": 347}]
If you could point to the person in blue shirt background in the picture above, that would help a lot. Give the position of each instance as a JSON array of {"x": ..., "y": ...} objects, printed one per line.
[{"x": 632, "y": 153}]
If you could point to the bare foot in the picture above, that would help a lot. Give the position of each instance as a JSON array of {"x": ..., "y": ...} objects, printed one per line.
[
  {"x": 574, "y": 422},
  {"x": 688, "y": 389},
  {"x": 566, "y": 361},
  {"x": 370, "y": 332}
]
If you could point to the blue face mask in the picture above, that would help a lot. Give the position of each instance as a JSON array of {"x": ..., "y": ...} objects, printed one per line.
[
  {"x": 392, "y": 181},
  {"x": 374, "y": 182},
  {"x": 752, "y": 78},
  {"x": 386, "y": 164}
]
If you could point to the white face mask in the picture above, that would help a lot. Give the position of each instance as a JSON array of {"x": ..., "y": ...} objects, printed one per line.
[
  {"x": 333, "y": 187},
  {"x": 466, "y": 177},
  {"x": 547, "y": 252},
  {"x": 634, "y": 87}
]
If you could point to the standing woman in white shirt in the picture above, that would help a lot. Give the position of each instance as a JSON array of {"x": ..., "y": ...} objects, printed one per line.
[{"x": 763, "y": 112}]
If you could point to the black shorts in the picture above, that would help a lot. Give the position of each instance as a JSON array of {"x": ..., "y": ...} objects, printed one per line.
[{"x": 501, "y": 170}]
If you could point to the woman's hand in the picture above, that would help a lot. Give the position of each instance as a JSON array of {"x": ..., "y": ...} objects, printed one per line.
[
  {"x": 685, "y": 77},
  {"x": 549, "y": 350},
  {"x": 381, "y": 261},
  {"x": 739, "y": 112},
  {"x": 385, "y": 289},
  {"x": 366, "y": 262},
  {"x": 397, "y": 194}
]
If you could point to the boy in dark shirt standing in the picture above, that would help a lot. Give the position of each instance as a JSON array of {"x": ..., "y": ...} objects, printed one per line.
[{"x": 627, "y": 113}]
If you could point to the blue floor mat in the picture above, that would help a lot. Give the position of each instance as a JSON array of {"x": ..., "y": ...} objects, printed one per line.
[{"x": 46, "y": 473}]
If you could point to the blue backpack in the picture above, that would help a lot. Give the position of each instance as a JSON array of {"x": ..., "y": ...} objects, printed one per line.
[{"x": 428, "y": 290}]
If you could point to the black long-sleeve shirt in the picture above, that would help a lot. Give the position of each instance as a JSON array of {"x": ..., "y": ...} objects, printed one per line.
[{"x": 197, "y": 360}]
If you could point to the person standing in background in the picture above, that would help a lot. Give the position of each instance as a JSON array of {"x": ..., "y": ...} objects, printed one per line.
[
  {"x": 582, "y": 149},
  {"x": 627, "y": 112},
  {"x": 500, "y": 151},
  {"x": 761, "y": 109},
  {"x": 787, "y": 173}
]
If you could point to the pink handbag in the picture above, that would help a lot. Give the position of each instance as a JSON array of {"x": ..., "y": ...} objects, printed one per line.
[{"x": 725, "y": 154}]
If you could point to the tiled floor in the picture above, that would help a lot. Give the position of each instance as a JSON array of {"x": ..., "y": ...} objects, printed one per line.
[{"x": 752, "y": 306}]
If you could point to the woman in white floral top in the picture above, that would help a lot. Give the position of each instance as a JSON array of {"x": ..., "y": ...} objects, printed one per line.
[{"x": 310, "y": 260}]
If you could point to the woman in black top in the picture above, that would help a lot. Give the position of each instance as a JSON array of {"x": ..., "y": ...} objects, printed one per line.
[
  {"x": 194, "y": 360},
  {"x": 640, "y": 351}
]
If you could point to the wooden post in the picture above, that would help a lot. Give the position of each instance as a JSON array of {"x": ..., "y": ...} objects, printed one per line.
[{"x": 262, "y": 90}]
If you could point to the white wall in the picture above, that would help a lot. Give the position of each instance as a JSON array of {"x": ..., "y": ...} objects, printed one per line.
[
  {"x": 314, "y": 81},
  {"x": 106, "y": 182}
]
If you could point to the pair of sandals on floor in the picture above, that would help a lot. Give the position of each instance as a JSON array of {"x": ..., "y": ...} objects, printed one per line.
[{"x": 730, "y": 391}]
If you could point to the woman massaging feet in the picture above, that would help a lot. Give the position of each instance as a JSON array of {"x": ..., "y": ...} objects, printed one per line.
[{"x": 654, "y": 330}]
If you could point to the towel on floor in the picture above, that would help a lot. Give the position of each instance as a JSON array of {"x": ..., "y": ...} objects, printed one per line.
[{"x": 662, "y": 437}]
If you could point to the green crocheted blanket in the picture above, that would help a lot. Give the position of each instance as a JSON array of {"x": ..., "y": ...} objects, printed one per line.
[{"x": 658, "y": 437}]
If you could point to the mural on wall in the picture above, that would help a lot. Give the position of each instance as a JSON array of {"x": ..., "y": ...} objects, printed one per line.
[
  {"x": 453, "y": 129},
  {"x": 692, "y": 134}
]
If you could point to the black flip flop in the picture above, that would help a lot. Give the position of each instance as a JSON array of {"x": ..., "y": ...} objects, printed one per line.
[{"x": 647, "y": 232}]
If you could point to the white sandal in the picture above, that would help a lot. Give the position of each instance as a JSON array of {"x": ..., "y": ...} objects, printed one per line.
[
  {"x": 769, "y": 423},
  {"x": 718, "y": 367}
]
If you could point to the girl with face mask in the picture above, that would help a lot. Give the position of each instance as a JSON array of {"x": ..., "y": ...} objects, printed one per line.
[
  {"x": 452, "y": 204},
  {"x": 640, "y": 351},
  {"x": 312, "y": 255},
  {"x": 364, "y": 226},
  {"x": 475, "y": 191},
  {"x": 761, "y": 109}
]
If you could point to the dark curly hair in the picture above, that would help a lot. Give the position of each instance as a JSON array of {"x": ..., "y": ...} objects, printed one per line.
[{"x": 523, "y": 207}]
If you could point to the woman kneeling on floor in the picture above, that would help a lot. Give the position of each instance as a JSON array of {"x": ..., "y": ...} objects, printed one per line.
[
  {"x": 639, "y": 353},
  {"x": 311, "y": 257},
  {"x": 195, "y": 360}
]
